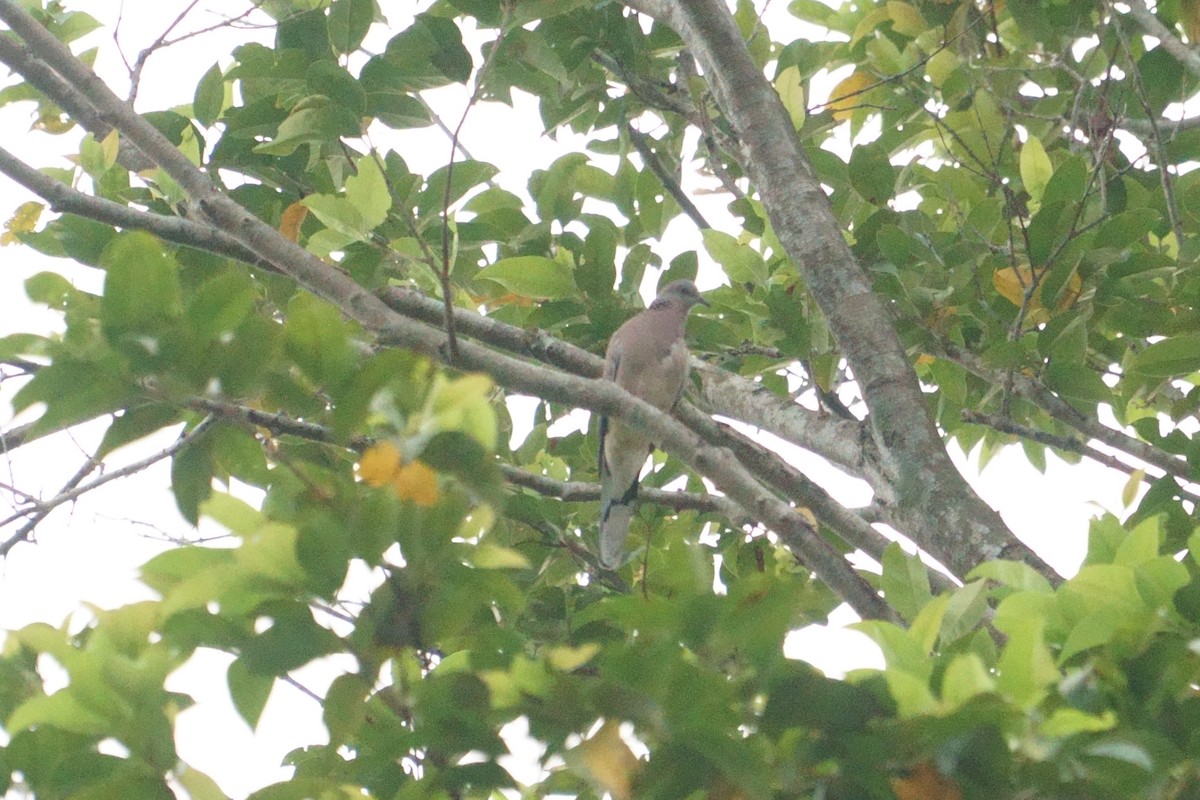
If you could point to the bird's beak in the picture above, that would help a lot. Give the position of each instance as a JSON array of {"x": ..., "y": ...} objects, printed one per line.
[{"x": 703, "y": 302}]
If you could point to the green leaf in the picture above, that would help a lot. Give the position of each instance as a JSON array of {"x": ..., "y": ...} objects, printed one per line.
[
  {"x": 169, "y": 569},
  {"x": 905, "y": 581},
  {"x": 902, "y": 652},
  {"x": 209, "y": 99},
  {"x": 741, "y": 263},
  {"x": 790, "y": 86},
  {"x": 397, "y": 110},
  {"x": 219, "y": 305},
  {"x": 1066, "y": 722},
  {"x": 1036, "y": 169},
  {"x": 191, "y": 478},
  {"x": 428, "y": 54},
  {"x": 872, "y": 174},
  {"x": 249, "y": 691},
  {"x": 318, "y": 340},
  {"x": 537, "y": 277},
  {"x": 368, "y": 192},
  {"x": 1141, "y": 544},
  {"x": 330, "y": 80},
  {"x": 345, "y": 707},
  {"x": 60, "y": 710},
  {"x": 141, "y": 287},
  {"x": 1077, "y": 383},
  {"x": 314, "y": 120},
  {"x": 1014, "y": 574},
  {"x": 136, "y": 422},
  {"x": 463, "y": 176},
  {"x": 965, "y": 677},
  {"x": 1026, "y": 668},
  {"x": 349, "y": 21},
  {"x": 1178, "y": 355},
  {"x": 292, "y": 640},
  {"x": 50, "y": 289},
  {"x": 964, "y": 611},
  {"x": 74, "y": 392},
  {"x": 198, "y": 785},
  {"x": 1122, "y": 230}
]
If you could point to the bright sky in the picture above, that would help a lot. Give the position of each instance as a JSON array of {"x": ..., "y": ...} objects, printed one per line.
[{"x": 89, "y": 552}]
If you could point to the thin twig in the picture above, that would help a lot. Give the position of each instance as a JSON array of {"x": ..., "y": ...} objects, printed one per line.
[
  {"x": 72, "y": 489},
  {"x": 1068, "y": 444},
  {"x": 1160, "y": 150},
  {"x": 135, "y": 72},
  {"x": 447, "y": 289},
  {"x": 669, "y": 181}
]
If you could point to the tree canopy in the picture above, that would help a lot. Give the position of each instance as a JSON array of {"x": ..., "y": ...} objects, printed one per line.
[{"x": 987, "y": 233}]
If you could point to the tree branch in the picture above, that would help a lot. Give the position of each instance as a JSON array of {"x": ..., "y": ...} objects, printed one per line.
[
  {"x": 651, "y": 159},
  {"x": 1152, "y": 25},
  {"x": 1033, "y": 392},
  {"x": 72, "y": 489},
  {"x": 844, "y": 442},
  {"x": 1068, "y": 444},
  {"x": 68, "y": 98},
  {"x": 394, "y": 330},
  {"x": 180, "y": 230},
  {"x": 936, "y": 505}
]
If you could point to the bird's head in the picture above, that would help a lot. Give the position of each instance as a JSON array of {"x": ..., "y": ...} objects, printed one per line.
[{"x": 679, "y": 294}]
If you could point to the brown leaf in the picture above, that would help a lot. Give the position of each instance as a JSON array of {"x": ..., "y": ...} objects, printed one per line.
[
  {"x": 293, "y": 216},
  {"x": 924, "y": 782}
]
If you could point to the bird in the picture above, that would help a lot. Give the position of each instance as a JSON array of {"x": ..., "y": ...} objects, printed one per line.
[{"x": 648, "y": 358}]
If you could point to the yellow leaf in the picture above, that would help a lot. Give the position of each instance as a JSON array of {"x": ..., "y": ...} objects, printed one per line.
[
  {"x": 940, "y": 66},
  {"x": 606, "y": 761},
  {"x": 808, "y": 515},
  {"x": 906, "y": 20},
  {"x": 1036, "y": 168},
  {"x": 417, "y": 482},
  {"x": 925, "y": 360},
  {"x": 1012, "y": 283},
  {"x": 488, "y": 556},
  {"x": 567, "y": 659},
  {"x": 847, "y": 95},
  {"x": 51, "y": 120},
  {"x": 1130, "y": 492},
  {"x": 291, "y": 219},
  {"x": 791, "y": 92},
  {"x": 1189, "y": 18},
  {"x": 868, "y": 24},
  {"x": 109, "y": 147},
  {"x": 379, "y": 464},
  {"x": 925, "y": 783},
  {"x": 23, "y": 220}
]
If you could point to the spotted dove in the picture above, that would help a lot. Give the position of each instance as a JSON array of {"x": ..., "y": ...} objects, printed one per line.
[{"x": 648, "y": 358}]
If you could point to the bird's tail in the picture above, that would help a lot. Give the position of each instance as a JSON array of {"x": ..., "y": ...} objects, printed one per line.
[{"x": 615, "y": 515}]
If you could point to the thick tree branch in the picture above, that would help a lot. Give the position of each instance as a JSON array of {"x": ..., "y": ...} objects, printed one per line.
[
  {"x": 1152, "y": 25},
  {"x": 793, "y": 423},
  {"x": 934, "y": 503},
  {"x": 837, "y": 440},
  {"x": 180, "y": 230},
  {"x": 392, "y": 329},
  {"x": 67, "y": 97},
  {"x": 845, "y": 442}
]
